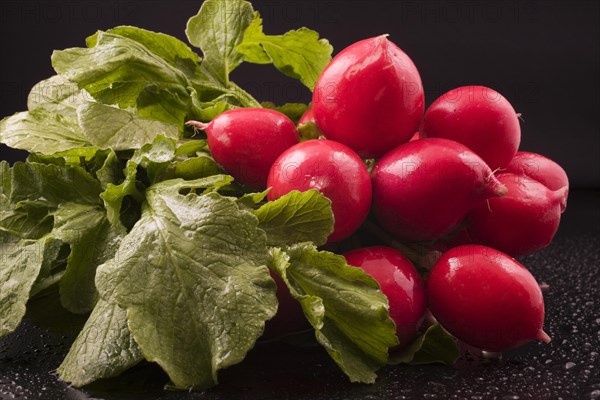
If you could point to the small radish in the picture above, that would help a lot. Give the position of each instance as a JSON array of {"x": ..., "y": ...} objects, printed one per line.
[
  {"x": 524, "y": 220},
  {"x": 400, "y": 282},
  {"x": 370, "y": 97},
  {"x": 423, "y": 189},
  {"x": 486, "y": 298},
  {"x": 478, "y": 117},
  {"x": 541, "y": 169},
  {"x": 308, "y": 116},
  {"x": 335, "y": 171},
  {"x": 246, "y": 142},
  {"x": 307, "y": 126}
]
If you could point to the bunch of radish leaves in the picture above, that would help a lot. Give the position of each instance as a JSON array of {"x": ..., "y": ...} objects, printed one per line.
[{"x": 122, "y": 212}]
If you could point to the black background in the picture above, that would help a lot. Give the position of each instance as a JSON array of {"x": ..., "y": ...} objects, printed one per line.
[{"x": 542, "y": 55}]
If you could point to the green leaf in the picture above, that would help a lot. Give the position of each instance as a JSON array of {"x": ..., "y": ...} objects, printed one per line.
[
  {"x": 77, "y": 154},
  {"x": 197, "y": 167},
  {"x": 162, "y": 162},
  {"x": 160, "y": 150},
  {"x": 103, "y": 349},
  {"x": 344, "y": 305},
  {"x": 5, "y": 185},
  {"x": 109, "y": 127},
  {"x": 217, "y": 29},
  {"x": 25, "y": 215},
  {"x": 57, "y": 95},
  {"x": 435, "y": 345},
  {"x": 50, "y": 184},
  {"x": 155, "y": 157},
  {"x": 309, "y": 131},
  {"x": 156, "y": 75},
  {"x": 63, "y": 201},
  {"x": 52, "y": 270},
  {"x": 191, "y": 147},
  {"x": 123, "y": 71},
  {"x": 105, "y": 165},
  {"x": 292, "y": 110},
  {"x": 116, "y": 59},
  {"x": 41, "y": 131},
  {"x": 50, "y": 126},
  {"x": 85, "y": 229},
  {"x": 208, "y": 110},
  {"x": 114, "y": 195},
  {"x": 20, "y": 264},
  {"x": 165, "y": 105},
  {"x": 299, "y": 54},
  {"x": 191, "y": 274},
  {"x": 251, "y": 201},
  {"x": 297, "y": 217},
  {"x": 28, "y": 221},
  {"x": 167, "y": 47},
  {"x": 210, "y": 99},
  {"x": 38, "y": 158}
]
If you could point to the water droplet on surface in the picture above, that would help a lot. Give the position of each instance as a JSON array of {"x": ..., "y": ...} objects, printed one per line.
[{"x": 570, "y": 365}]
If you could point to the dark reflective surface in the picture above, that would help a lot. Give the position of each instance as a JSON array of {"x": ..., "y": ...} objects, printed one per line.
[{"x": 567, "y": 368}]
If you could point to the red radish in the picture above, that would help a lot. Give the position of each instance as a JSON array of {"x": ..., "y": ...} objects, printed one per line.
[
  {"x": 486, "y": 298},
  {"x": 478, "y": 117},
  {"x": 334, "y": 170},
  {"x": 541, "y": 169},
  {"x": 521, "y": 222},
  {"x": 307, "y": 126},
  {"x": 369, "y": 97},
  {"x": 400, "y": 282},
  {"x": 289, "y": 318},
  {"x": 308, "y": 116},
  {"x": 423, "y": 189},
  {"x": 246, "y": 142}
]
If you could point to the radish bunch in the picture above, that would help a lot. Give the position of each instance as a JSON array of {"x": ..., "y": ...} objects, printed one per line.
[{"x": 449, "y": 177}]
